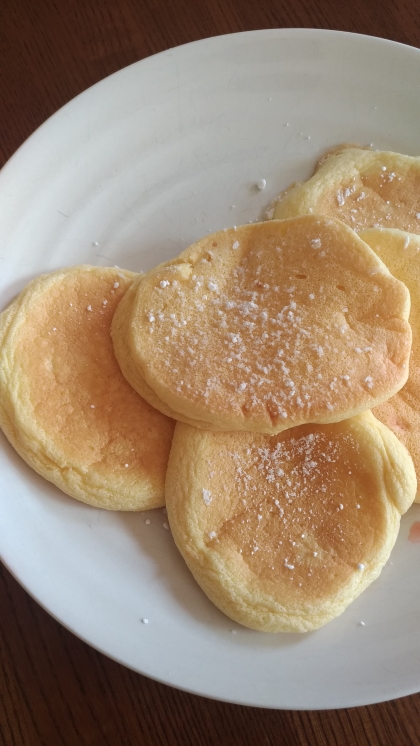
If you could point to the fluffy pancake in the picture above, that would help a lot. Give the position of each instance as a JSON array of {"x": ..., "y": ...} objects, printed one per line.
[
  {"x": 363, "y": 188},
  {"x": 64, "y": 404},
  {"x": 401, "y": 253},
  {"x": 265, "y": 327},
  {"x": 120, "y": 332},
  {"x": 283, "y": 532}
]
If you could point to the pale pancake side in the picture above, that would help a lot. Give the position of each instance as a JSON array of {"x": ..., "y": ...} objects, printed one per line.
[
  {"x": 267, "y": 326},
  {"x": 363, "y": 188},
  {"x": 401, "y": 253},
  {"x": 283, "y": 532},
  {"x": 64, "y": 404}
]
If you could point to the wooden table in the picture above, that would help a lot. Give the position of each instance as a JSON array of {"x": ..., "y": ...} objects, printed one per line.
[{"x": 54, "y": 689}]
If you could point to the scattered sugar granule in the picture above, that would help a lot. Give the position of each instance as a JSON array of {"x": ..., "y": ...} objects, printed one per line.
[
  {"x": 145, "y": 621},
  {"x": 164, "y": 283},
  {"x": 316, "y": 243},
  {"x": 104, "y": 303},
  {"x": 88, "y": 308},
  {"x": 242, "y": 387},
  {"x": 212, "y": 286},
  {"x": 261, "y": 184},
  {"x": 212, "y": 535},
  {"x": 92, "y": 406},
  {"x": 361, "y": 624},
  {"x": 383, "y": 168},
  {"x": 418, "y": 215},
  {"x": 151, "y": 317},
  {"x": 147, "y": 521},
  {"x": 360, "y": 566},
  {"x": 235, "y": 245},
  {"x": 116, "y": 285},
  {"x": 207, "y": 496},
  {"x": 358, "y": 506},
  {"x": 126, "y": 466},
  {"x": 289, "y": 567}
]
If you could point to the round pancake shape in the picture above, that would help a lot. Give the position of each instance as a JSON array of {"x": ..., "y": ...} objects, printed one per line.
[
  {"x": 265, "y": 327},
  {"x": 64, "y": 404},
  {"x": 400, "y": 251},
  {"x": 283, "y": 532},
  {"x": 363, "y": 188}
]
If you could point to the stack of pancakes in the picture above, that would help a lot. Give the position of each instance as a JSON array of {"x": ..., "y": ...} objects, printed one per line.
[{"x": 259, "y": 352}]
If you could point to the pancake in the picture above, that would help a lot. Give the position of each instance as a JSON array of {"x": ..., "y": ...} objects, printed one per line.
[
  {"x": 283, "y": 532},
  {"x": 363, "y": 188},
  {"x": 401, "y": 253},
  {"x": 266, "y": 327},
  {"x": 120, "y": 332},
  {"x": 64, "y": 404}
]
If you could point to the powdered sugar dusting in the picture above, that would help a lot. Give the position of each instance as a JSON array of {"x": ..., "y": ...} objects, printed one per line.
[
  {"x": 207, "y": 496},
  {"x": 293, "y": 508},
  {"x": 259, "y": 342}
]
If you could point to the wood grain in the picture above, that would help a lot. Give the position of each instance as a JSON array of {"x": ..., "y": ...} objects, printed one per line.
[{"x": 54, "y": 689}]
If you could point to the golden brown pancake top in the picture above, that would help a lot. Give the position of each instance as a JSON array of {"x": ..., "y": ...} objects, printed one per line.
[
  {"x": 297, "y": 522},
  {"x": 272, "y": 325},
  {"x": 363, "y": 188}
]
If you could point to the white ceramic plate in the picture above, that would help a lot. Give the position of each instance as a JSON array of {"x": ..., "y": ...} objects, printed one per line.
[{"x": 131, "y": 172}]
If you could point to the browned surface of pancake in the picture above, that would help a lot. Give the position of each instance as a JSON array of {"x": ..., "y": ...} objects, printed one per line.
[
  {"x": 363, "y": 188},
  {"x": 265, "y": 327},
  {"x": 64, "y": 403},
  {"x": 283, "y": 532}
]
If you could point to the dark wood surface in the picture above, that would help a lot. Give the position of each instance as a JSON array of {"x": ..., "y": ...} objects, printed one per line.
[{"x": 54, "y": 689}]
